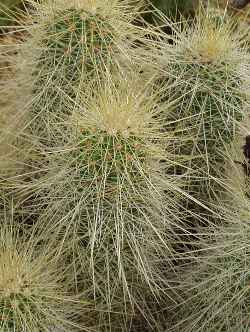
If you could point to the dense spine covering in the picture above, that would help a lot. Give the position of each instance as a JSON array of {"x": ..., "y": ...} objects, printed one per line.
[
  {"x": 70, "y": 44},
  {"x": 107, "y": 188},
  {"x": 207, "y": 67},
  {"x": 98, "y": 176},
  {"x": 112, "y": 122},
  {"x": 35, "y": 288},
  {"x": 217, "y": 283}
]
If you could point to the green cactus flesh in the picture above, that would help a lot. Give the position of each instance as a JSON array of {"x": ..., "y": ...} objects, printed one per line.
[
  {"x": 77, "y": 45},
  {"x": 211, "y": 111},
  {"x": 111, "y": 155},
  {"x": 12, "y": 308},
  {"x": 77, "y": 39}
]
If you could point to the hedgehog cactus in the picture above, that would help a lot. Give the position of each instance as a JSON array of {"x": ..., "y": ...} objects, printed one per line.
[
  {"x": 217, "y": 288},
  {"x": 34, "y": 294},
  {"x": 106, "y": 158},
  {"x": 112, "y": 168},
  {"x": 115, "y": 136},
  {"x": 208, "y": 66},
  {"x": 71, "y": 43}
]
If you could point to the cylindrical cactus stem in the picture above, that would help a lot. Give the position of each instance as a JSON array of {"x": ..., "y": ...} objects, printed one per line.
[
  {"x": 217, "y": 283},
  {"x": 207, "y": 66},
  {"x": 70, "y": 43},
  {"x": 108, "y": 186},
  {"x": 36, "y": 292}
]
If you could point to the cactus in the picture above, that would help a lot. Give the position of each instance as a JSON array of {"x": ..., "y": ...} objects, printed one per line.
[
  {"x": 71, "y": 43},
  {"x": 207, "y": 65},
  {"x": 106, "y": 158},
  {"x": 108, "y": 186},
  {"x": 217, "y": 284},
  {"x": 34, "y": 292}
]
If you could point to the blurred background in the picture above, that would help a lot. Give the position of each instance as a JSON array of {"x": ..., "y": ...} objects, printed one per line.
[
  {"x": 172, "y": 8},
  {"x": 10, "y": 9}
]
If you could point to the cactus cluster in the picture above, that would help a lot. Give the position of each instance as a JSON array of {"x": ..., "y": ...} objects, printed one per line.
[{"x": 124, "y": 188}]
